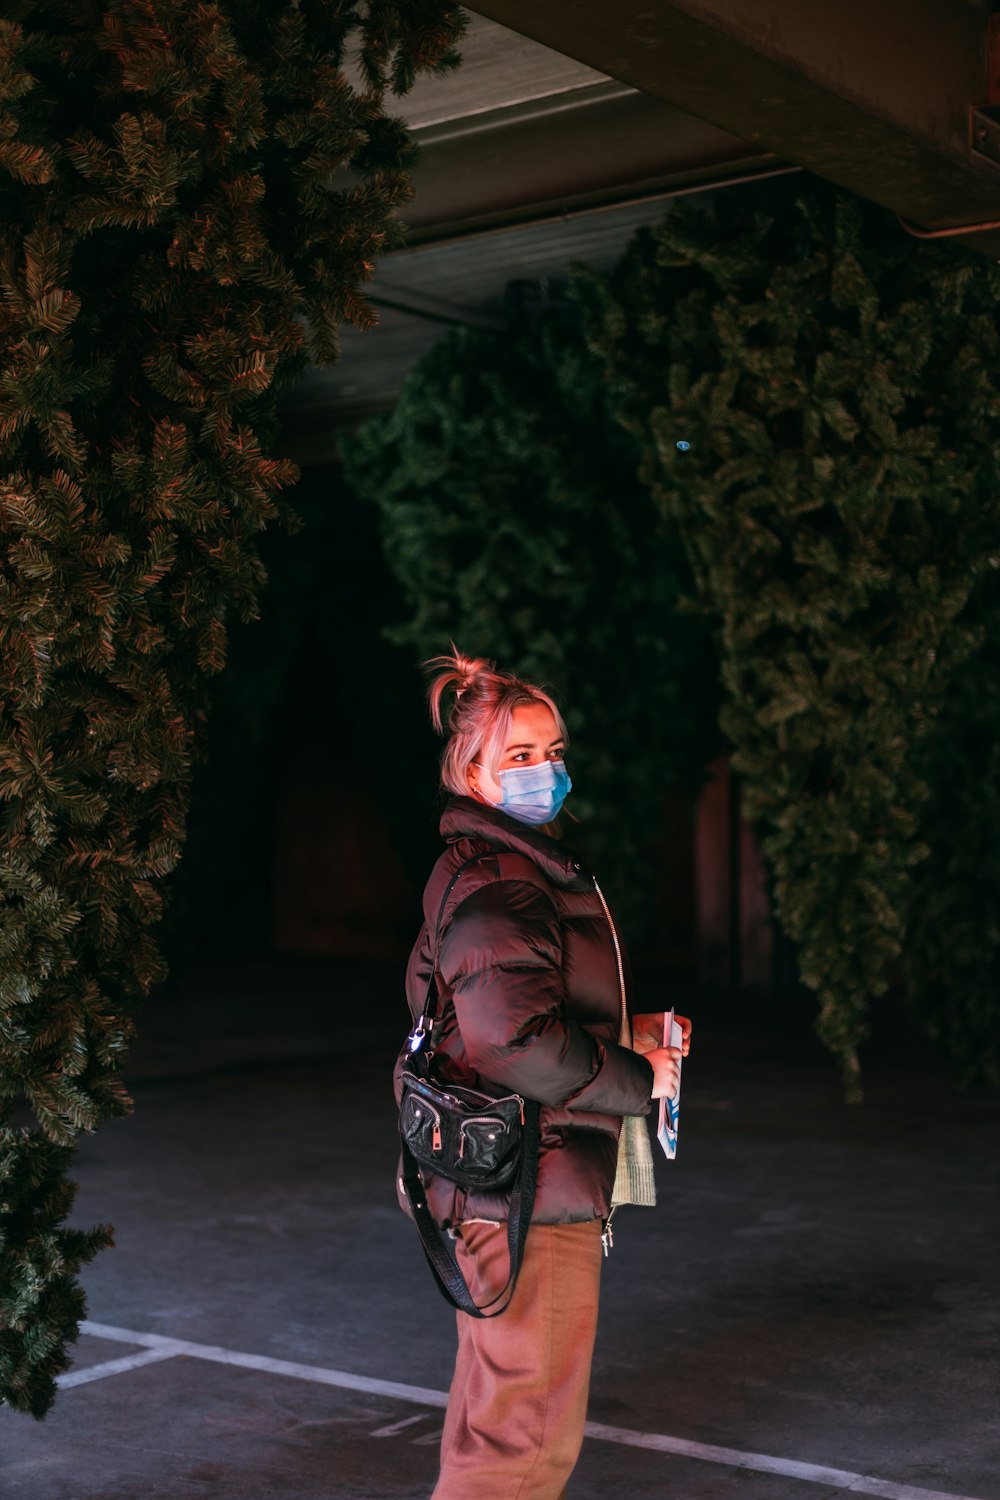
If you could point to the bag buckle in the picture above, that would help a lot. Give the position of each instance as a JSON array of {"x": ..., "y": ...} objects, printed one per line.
[{"x": 419, "y": 1034}]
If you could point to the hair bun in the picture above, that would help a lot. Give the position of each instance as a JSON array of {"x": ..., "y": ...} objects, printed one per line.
[
  {"x": 457, "y": 672},
  {"x": 467, "y": 668}
]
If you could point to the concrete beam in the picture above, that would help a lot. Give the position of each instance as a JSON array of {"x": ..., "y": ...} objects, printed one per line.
[
  {"x": 871, "y": 94},
  {"x": 598, "y": 145}
]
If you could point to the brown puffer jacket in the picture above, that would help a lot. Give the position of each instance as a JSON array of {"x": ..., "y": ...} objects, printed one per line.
[{"x": 530, "y": 1003}]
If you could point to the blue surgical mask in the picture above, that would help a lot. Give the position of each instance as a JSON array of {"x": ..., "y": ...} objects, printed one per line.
[{"x": 534, "y": 794}]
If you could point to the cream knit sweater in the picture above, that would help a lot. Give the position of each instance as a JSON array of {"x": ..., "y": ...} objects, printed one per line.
[{"x": 634, "y": 1178}]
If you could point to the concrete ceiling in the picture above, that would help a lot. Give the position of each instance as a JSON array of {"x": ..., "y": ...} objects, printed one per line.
[
  {"x": 529, "y": 160},
  {"x": 572, "y": 122},
  {"x": 521, "y": 131}
]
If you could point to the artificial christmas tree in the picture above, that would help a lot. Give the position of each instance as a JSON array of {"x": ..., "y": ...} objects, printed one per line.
[
  {"x": 817, "y": 398},
  {"x": 191, "y": 198}
]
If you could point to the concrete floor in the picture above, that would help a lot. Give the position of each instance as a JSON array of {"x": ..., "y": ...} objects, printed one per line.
[{"x": 816, "y": 1295}]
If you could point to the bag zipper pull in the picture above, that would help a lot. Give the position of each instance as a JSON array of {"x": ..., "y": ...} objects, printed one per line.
[
  {"x": 436, "y": 1139},
  {"x": 608, "y": 1235}
]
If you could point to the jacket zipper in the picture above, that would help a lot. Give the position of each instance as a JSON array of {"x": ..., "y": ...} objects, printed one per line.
[
  {"x": 607, "y": 1235},
  {"x": 618, "y": 954}
]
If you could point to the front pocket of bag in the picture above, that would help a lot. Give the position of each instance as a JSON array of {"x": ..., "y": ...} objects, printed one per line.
[
  {"x": 421, "y": 1128},
  {"x": 484, "y": 1145}
]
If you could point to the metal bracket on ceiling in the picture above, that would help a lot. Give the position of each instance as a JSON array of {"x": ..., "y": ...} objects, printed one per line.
[
  {"x": 984, "y": 132},
  {"x": 984, "y": 139},
  {"x": 984, "y": 119}
]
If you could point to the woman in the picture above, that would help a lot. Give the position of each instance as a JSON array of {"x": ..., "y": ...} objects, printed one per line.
[{"x": 531, "y": 978}]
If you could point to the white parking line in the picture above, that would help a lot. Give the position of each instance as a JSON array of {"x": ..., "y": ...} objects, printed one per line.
[
  {"x": 317, "y": 1373},
  {"x": 763, "y": 1463},
  {"x": 113, "y": 1366},
  {"x": 736, "y": 1458}
]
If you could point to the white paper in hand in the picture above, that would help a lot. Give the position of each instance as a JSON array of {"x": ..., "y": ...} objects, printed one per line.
[{"x": 666, "y": 1132}]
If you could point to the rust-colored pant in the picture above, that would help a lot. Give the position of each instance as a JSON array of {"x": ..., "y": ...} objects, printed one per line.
[{"x": 518, "y": 1399}]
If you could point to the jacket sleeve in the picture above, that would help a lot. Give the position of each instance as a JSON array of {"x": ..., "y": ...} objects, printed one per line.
[{"x": 501, "y": 956}]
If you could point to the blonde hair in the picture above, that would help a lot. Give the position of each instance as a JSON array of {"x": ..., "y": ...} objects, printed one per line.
[{"x": 479, "y": 722}]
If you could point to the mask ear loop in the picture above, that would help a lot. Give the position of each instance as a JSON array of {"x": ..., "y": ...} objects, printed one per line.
[{"x": 482, "y": 795}]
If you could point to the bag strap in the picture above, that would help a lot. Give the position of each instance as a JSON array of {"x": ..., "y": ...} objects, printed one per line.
[
  {"x": 440, "y": 1257},
  {"x": 428, "y": 1014}
]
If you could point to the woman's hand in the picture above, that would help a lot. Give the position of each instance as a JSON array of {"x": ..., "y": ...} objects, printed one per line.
[
  {"x": 647, "y": 1031},
  {"x": 666, "y": 1065}
]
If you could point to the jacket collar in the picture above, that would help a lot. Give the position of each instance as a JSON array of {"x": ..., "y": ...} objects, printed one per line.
[{"x": 464, "y": 817}]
